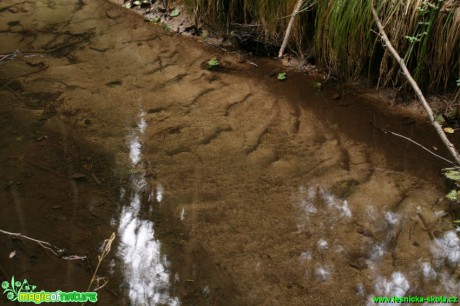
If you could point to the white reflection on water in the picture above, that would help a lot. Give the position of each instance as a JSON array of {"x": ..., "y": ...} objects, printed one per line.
[
  {"x": 447, "y": 249},
  {"x": 135, "y": 150},
  {"x": 145, "y": 269},
  {"x": 428, "y": 271},
  {"x": 322, "y": 245},
  {"x": 142, "y": 123},
  {"x": 324, "y": 213},
  {"x": 398, "y": 286},
  {"x": 323, "y": 273},
  {"x": 160, "y": 191},
  {"x": 332, "y": 201}
]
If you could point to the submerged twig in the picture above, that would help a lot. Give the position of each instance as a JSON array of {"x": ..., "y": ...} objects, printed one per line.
[
  {"x": 416, "y": 88},
  {"x": 9, "y": 56},
  {"x": 418, "y": 144},
  {"x": 419, "y": 214},
  {"x": 46, "y": 245},
  {"x": 23, "y": 75},
  {"x": 46, "y": 169}
]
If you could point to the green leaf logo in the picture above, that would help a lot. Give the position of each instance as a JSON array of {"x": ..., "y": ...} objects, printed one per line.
[{"x": 13, "y": 288}]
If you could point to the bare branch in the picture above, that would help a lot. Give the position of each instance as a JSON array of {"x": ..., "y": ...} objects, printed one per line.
[
  {"x": 46, "y": 245},
  {"x": 417, "y": 90},
  {"x": 289, "y": 28}
]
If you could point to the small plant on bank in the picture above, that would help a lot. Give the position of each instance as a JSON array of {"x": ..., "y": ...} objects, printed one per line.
[
  {"x": 175, "y": 12},
  {"x": 453, "y": 176}
]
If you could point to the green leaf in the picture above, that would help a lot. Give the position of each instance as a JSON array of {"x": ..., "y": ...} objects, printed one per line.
[
  {"x": 318, "y": 86},
  {"x": 452, "y": 195},
  {"x": 137, "y": 3},
  {"x": 452, "y": 175},
  {"x": 212, "y": 63},
  {"x": 127, "y": 5},
  {"x": 175, "y": 12},
  {"x": 281, "y": 76}
]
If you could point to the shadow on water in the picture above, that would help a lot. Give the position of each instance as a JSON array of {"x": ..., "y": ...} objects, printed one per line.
[{"x": 223, "y": 188}]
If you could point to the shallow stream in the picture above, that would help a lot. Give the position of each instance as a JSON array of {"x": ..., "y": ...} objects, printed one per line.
[{"x": 224, "y": 187}]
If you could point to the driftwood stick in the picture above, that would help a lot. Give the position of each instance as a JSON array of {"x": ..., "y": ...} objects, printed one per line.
[
  {"x": 46, "y": 245},
  {"x": 425, "y": 225},
  {"x": 289, "y": 28},
  {"x": 417, "y": 90}
]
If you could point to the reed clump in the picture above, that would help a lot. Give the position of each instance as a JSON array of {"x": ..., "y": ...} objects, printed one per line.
[{"x": 342, "y": 36}]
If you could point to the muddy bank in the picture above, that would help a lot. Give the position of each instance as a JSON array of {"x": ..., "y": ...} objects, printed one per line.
[{"x": 224, "y": 187}]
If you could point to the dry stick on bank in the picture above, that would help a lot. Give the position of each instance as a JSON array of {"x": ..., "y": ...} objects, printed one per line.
[
  {"x": 417, "y": 90},
  {"x": 289, "y": 28}
]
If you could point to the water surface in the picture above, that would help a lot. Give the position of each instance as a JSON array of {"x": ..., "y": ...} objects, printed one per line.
[{"x": 224, "y": 187}]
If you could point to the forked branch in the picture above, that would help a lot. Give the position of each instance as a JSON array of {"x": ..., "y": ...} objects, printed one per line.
[{"x": 45, "y": 245}]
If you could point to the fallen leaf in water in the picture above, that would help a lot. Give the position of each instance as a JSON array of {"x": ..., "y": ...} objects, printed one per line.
[
  {"x": 449, "y": 130},
  {"x": 12, "y": 254},
  {"x": 213, "y": 63},
  {"x": 281, "y": 76}
]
